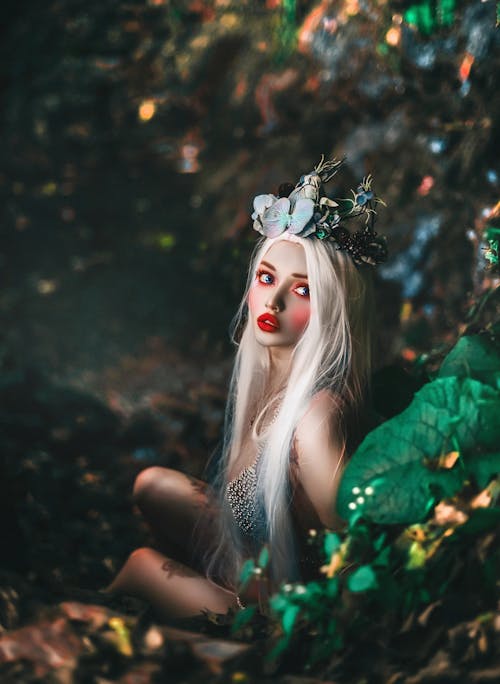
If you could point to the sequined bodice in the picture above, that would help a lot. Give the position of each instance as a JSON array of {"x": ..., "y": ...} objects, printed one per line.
[{"x": 241, "y": 495}]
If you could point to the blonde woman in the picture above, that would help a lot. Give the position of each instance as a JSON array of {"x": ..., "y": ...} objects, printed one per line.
[{"x": 295, "y": 398}]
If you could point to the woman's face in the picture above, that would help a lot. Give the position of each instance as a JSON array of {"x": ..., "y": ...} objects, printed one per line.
[{"x": 278, "y": 300}]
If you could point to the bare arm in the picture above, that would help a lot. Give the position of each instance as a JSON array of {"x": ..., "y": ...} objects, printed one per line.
[{"x": 320, "y": 455}]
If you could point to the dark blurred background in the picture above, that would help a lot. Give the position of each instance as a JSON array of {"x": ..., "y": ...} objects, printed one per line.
[{"x": 134, "y": 136}]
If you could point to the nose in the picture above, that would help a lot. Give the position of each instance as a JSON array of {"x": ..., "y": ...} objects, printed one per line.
[{"x": 274, "y": 303}]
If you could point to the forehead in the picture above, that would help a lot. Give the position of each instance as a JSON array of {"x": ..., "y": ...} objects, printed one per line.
[{"x": 287, "y": 257}]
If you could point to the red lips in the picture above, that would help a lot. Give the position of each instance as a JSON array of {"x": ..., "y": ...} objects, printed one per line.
[{"x": 268, "y": 323}]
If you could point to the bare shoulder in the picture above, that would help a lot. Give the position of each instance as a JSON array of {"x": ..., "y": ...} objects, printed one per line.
[
  {"x": 319, "y": 454},
  {"x": 320, "y": 418},
  {"x": 326, "y": 400}
]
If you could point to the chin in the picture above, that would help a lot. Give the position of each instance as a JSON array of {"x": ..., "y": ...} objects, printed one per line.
[
  {"x": 275, "y": 339},
  {"x": 269, "y": 340},
  {"x": 264, "y": 340}
]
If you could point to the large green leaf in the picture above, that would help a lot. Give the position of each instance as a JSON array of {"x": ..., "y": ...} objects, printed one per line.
[
  {"x": 474, "y": 356},
  {"x": 395, "y": 474},
  {"x": 483, "y": 467}
]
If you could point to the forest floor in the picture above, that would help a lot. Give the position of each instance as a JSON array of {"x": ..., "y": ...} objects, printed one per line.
[{"x": 69, "y": 458}]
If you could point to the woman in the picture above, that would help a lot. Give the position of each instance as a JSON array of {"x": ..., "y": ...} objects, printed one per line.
[{"x": 297, "y": 390}]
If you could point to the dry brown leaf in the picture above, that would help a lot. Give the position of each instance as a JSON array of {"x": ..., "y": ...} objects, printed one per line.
[
  {"x": 83, "y": 612},
  {"x": 46, "y": 645},
  {"x": 424, "y": 617},
  {"x": 448, "y": 514}
]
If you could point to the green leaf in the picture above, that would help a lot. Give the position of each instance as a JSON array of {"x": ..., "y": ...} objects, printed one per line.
[
  {"x": 481, "y": 520},
  {"x": 278, "y": 602},
  {"x": 314, "y": 589},
  {"x": 362, "y": 579},
  {"x": 332, "y": 543},
  {"x": 263, "y": 557},
  {"x": 281, "y": 646},
  {"x": 379, "y": 542},
  {"x": 289, "y": 618},
  {"x": 428, "y": 16},
  {"x": 416, "y": 556},
  {"x": 332, "y": 587},
  {"x": 474, "y": 356},
  {"x": 483, "y": 467},
  {"x": 243, "y": 617},
  {"x": 446, "y": 12},
  {"x": 383, "y": 557},
  {"x": 395, "y": 474},
  {"x": 247, "y": 572}
]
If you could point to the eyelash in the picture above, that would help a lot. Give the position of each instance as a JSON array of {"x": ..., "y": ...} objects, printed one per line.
[
  {"x": 259, "y": 275},
  {"x": 306, "y": 296}
]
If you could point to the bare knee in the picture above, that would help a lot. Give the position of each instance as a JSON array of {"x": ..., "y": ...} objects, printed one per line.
[
  {"x": 149, "y": 481},
  {"x": 166, "y": 484},
  {"x": 142, "y": 556},
  {"x": 131, "y": 576},
  {"x": 144, "y": 482}
]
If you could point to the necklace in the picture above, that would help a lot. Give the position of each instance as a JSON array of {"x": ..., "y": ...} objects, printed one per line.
[{"x": 274, "y": 415}]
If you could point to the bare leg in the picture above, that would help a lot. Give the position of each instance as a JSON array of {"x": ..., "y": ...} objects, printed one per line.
[
  {"x": 172, "y": 588},
  {"x": 175, "y": 505}
]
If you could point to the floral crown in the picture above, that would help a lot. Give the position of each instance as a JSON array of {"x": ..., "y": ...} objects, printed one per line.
[{"x": 304, "y": 211}]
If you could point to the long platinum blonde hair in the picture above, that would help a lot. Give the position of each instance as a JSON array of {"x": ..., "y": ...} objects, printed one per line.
[{"x": 333, "y": 353}]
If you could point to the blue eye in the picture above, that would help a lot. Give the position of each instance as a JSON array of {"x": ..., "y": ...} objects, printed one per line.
[
  {"x": 302, "y": 290},
  {"x": 265, "y": 278}
]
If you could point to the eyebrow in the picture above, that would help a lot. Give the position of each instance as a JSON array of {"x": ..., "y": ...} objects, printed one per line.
[{"x": 294, "y": 275}]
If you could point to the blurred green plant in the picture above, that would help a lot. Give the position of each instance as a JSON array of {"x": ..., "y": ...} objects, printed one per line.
[
  {"x": 286, "y": 31},
  {"x": 430, "y": 15},
  {"x": 492, "y": 235}
]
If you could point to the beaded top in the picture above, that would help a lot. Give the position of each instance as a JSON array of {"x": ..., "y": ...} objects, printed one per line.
[{"x": 241, "y": 495}]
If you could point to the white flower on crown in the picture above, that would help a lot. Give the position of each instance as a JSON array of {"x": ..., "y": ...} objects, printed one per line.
[{"x": 273, "y": 216}]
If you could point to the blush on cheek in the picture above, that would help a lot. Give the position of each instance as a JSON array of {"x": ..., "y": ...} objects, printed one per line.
[
  {"x": 251, "y": 299},
  {"x": 300, "y": 319}
]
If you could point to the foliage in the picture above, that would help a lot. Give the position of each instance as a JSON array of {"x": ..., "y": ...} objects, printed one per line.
[
  {"x": 433, "y": 444},
  {"x": 421, "y": 446},
  {"x": 428, "y": 16},
  {"x": 285, "y": 37},
  {"x": 425, "y": 486},
  {"x": 380, "y": 575},
  {"x": 492, "y": 235}
]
